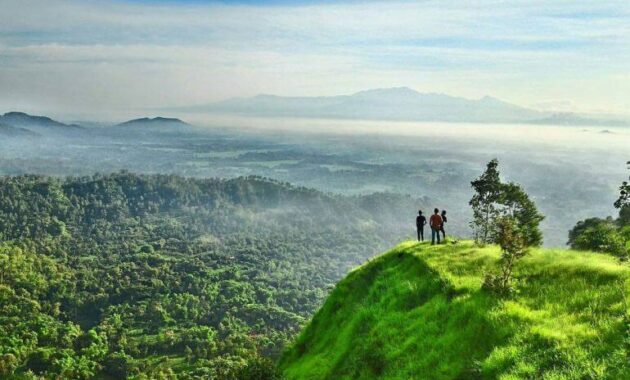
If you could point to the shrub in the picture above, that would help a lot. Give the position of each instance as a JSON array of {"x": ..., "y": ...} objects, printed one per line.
[{"x": 513, "y": 245}]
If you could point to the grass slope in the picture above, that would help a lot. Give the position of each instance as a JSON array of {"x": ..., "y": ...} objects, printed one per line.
[{"x": 418, "y": 312}]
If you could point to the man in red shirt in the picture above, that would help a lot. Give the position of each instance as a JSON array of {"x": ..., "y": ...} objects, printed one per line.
[{"x": 436, "y": 224}]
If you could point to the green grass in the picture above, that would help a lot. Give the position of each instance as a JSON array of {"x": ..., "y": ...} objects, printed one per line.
[{"x": 418, "y": 312}]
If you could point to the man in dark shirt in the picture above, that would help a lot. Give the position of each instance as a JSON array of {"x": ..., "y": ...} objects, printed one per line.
[{"x": 420, "y": 222}]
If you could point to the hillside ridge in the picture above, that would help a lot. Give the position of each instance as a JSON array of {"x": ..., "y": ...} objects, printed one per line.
[{"x": 419, "y": 312}]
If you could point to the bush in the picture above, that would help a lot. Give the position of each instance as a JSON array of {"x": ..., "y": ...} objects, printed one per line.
[
  {"x": 599, "y": 235},
  {"x": 513, "y": 243}
]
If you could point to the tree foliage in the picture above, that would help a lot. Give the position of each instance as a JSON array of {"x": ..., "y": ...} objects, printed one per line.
[
  {"x": 504, "y": 214},
  {"x": 606, "y": 235},
  {"x": 485, "y": 202},
  {"x": 623, "y": 202},
  {"x": 494, "y": 200},
  {"x": 148, "y": 277}
]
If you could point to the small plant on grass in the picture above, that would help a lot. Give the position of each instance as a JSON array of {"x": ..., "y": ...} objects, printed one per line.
[{"x": 513, "y": 245}]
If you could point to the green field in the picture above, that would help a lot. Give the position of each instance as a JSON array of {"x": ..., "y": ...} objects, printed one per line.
[{"x": 419, "y": 312}]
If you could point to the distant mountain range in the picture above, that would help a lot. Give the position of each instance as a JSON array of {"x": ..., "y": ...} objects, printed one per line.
[
  {"x": 400, "y": 103},
  {"x": 396, "y": 104}
]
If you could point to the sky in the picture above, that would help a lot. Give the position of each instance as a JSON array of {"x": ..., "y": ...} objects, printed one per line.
[{"x": 88, "y": 57}]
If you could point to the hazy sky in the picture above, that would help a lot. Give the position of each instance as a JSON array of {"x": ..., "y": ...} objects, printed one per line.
[{"x": 72, "y": 57}]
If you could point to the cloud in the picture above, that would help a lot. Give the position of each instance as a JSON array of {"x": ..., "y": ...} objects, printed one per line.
[{"x": 116, "y": 54}]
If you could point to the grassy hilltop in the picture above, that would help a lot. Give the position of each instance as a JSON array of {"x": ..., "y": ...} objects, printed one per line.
[{"x": 418, "y": 312}]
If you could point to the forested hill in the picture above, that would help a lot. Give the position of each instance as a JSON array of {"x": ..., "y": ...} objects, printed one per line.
[
  {"x": 420, "y": 312},
  {"x": 128, "y": 276}
]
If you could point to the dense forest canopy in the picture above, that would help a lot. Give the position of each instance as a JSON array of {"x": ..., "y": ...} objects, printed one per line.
[{"x": 155, "y": 276}]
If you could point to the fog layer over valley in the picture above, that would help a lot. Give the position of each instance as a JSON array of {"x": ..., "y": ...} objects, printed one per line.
[{"x": 571, "y": 172}]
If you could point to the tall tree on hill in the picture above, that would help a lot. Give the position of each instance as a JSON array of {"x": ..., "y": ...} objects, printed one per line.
[
  {"x": 494, "y": 200},
  {"x": 504, "y": 215},
  {"x": 484, "y": 203}
]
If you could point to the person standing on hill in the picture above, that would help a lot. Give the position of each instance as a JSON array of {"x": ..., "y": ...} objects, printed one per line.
[
  {"x": 442, "y": 226},
  {"x": 420, "y": 222},
  {"x": 436, "y": 223}
]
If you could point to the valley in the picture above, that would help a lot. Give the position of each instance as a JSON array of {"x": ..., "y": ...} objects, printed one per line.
[
  {"x": 314, "y": 190},
  {"x": 430, "y": 161}
]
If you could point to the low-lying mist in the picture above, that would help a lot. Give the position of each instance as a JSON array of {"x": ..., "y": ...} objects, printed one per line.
[{"x": 571, "y": 172}]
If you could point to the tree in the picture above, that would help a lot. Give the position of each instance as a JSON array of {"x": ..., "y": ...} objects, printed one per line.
[
  {"x": 484, "y": 203},
  {"x": 606, "y": 235},
  {"x": 519, "y": 206},
  {"x": 8, "y": 363},
  {"x": 504, "y": 214},
  {"x": 599, "y": 235},
  {"x": 493, "y": 200},
  {"x": 623, "y": 202},
  {"x": 582, "y": 226}
]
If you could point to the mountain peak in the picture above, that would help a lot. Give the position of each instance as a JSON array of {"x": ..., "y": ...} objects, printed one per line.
[
  {"x": 157, "y": 121},
  {"x": 15, "y": 116},
  {"x": 22, "y": 119}
]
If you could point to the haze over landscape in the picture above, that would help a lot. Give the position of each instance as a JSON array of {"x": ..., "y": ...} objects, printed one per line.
[{"x": 196, "y": 189}]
